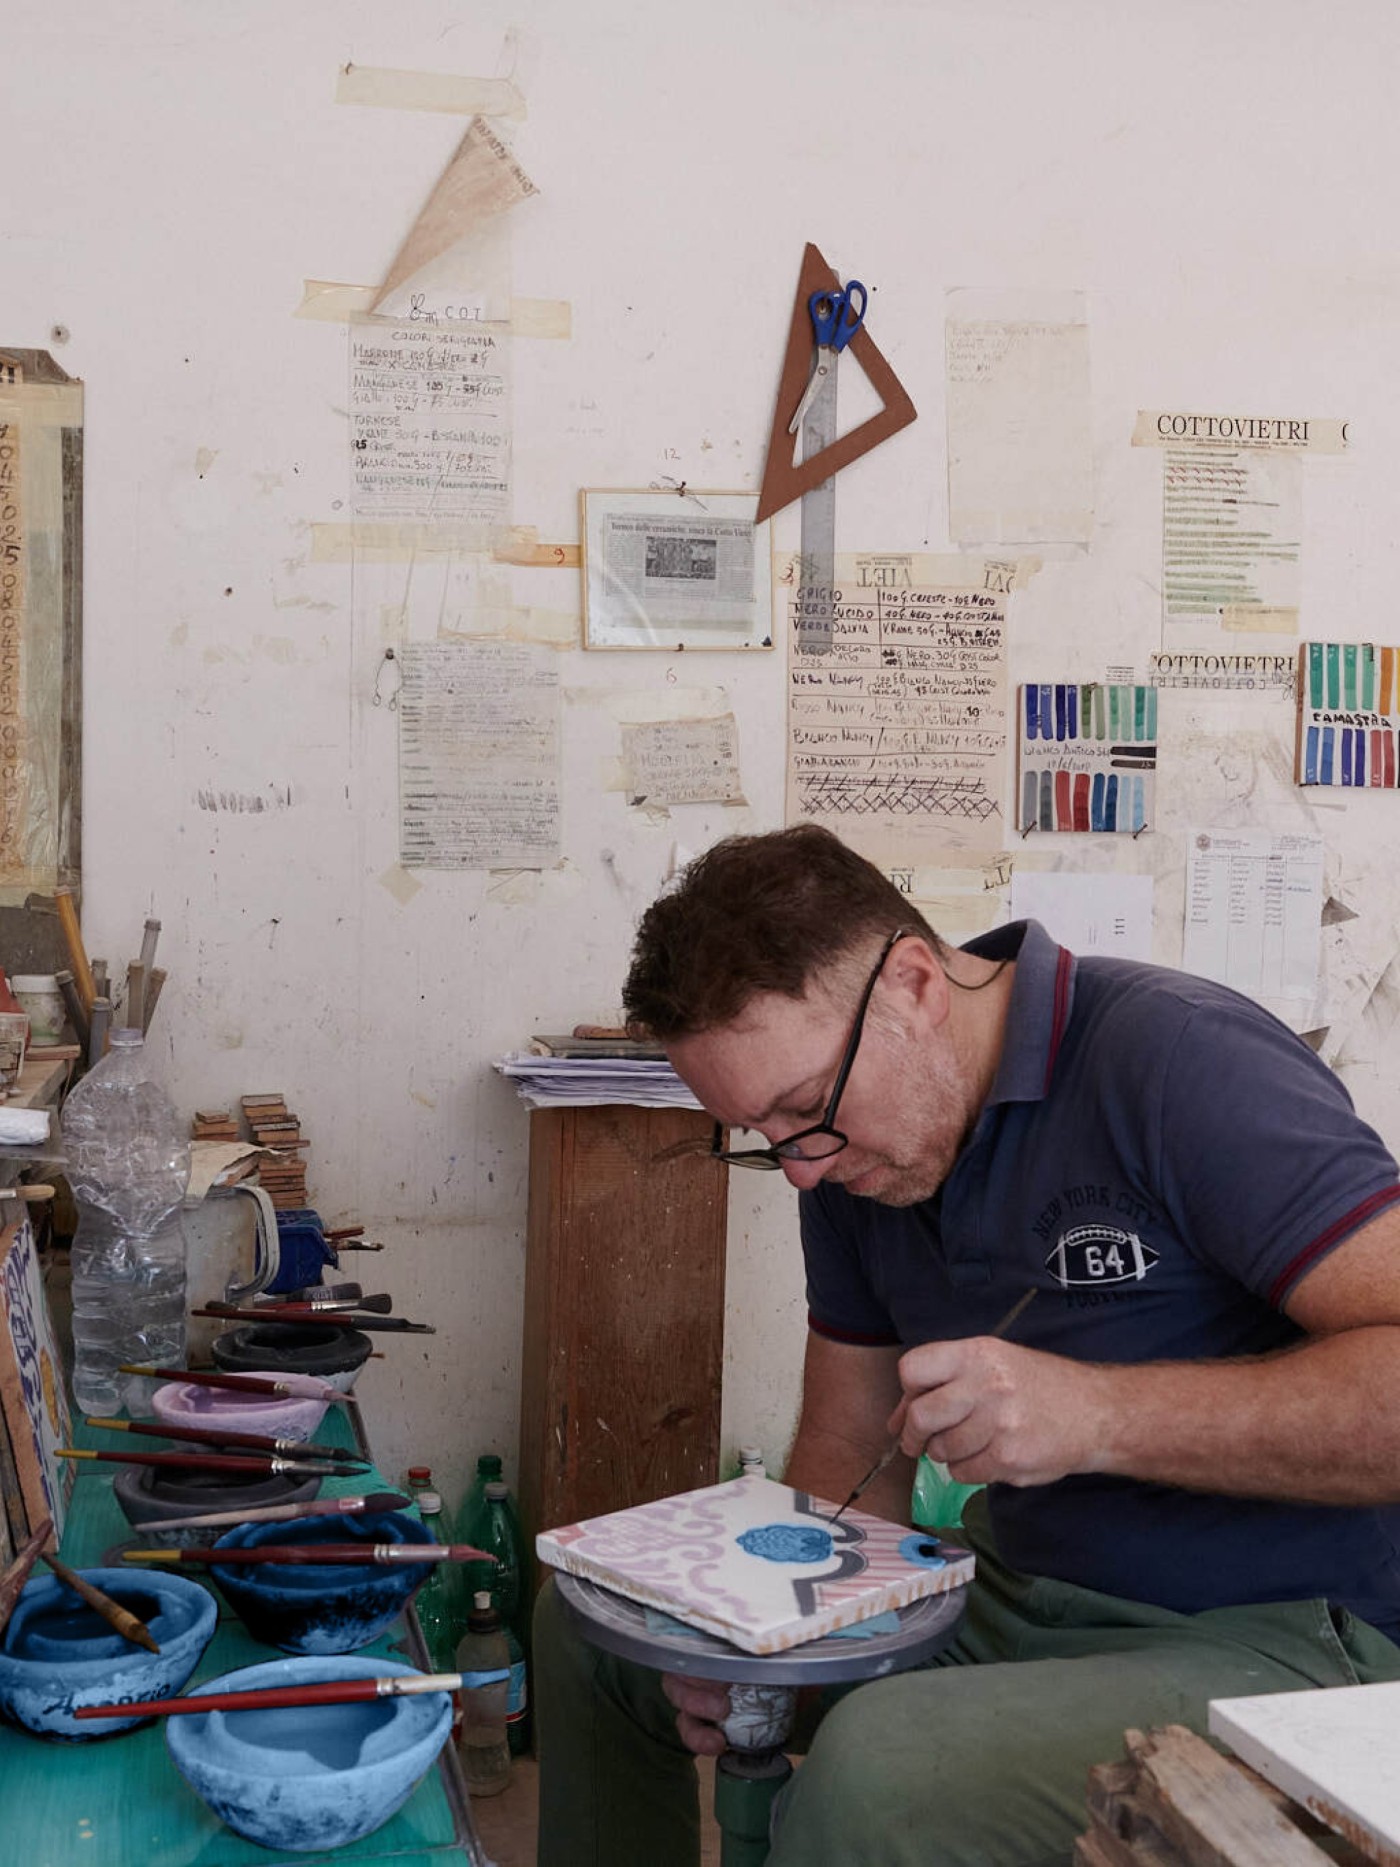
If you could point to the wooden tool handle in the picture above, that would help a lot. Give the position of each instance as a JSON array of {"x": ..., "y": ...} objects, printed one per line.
[{"x": 77, "y": 952}]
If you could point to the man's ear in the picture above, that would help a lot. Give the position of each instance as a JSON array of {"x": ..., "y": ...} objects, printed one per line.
[{"x": 919, "y": 989}]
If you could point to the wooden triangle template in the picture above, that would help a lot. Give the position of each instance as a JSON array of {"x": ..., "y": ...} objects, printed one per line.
[{"x": 782, "y": 481}]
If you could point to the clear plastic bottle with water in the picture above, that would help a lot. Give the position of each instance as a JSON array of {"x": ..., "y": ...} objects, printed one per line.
[
  {"x": 128, "y": 1166},
  {"x": 484, "y": 1661}
]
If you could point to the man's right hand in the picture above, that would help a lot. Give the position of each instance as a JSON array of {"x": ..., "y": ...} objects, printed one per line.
[{"x": 702, "y": 1705}]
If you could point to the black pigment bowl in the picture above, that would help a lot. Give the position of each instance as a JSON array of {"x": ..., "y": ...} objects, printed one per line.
[
  {"x": 150, "y": 1494},
  {"x": 333, "y": 1353}
]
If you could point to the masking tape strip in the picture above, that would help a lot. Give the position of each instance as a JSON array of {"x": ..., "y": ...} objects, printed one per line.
[
  {"x": 43, "y": 404},
  {"x": 522, "y": 546},
  {"x": 428, "y": 90},
  {"x": 384, "y": 541},
  {"x": 339, "y": 304}
]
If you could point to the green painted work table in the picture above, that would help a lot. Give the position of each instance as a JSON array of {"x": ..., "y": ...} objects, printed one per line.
[{"x": 120, "y": 1802}]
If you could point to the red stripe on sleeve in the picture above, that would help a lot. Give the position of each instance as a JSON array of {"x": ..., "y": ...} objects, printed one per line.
[{"x": 1319, "y": 1247}]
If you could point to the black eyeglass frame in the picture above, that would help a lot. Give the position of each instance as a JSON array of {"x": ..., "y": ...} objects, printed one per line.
[{"x": 768, "y": 1158}]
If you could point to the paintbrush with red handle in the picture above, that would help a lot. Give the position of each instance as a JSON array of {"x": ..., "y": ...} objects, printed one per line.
[
  {"x": 319, "y": 1552},
  {"x": 268, "y": 1698},
  {"x": 332, "y": 1305},
  {"x": 213, "y": 1462},
  {"x": 258, "y": 1385},
  {"x": 217, "y": 1436},
  {"x": 256, "y": 1442}
]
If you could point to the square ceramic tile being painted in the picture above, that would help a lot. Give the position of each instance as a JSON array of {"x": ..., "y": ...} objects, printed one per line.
[{"x": 757, "y": 1562}]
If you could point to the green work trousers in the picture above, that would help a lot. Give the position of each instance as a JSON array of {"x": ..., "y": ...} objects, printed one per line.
[{"x": 977, "y": 1760}]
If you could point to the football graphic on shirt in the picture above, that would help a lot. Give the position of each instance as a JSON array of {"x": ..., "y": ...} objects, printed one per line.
[{"x": 1099, "y": 1255}]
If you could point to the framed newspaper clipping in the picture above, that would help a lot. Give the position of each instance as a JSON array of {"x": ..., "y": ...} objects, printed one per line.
[{"x": 677, "y": 569}]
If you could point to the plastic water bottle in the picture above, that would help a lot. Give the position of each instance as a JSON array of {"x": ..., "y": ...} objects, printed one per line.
[
  {"x": 129, "y": 1165},
  {"x": 437, "y": 1603},
  {"x": 482, "y": 1746}
]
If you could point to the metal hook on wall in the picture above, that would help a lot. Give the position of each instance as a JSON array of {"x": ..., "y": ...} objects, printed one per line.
[{"x": 391, "y": 699}]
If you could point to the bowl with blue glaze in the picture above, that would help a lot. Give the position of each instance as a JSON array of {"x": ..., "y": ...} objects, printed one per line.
[
  {"x": 321, "y": 1607},
  {"x": 313, "y": 1777},
  {"x": 58, "y": 1653}
]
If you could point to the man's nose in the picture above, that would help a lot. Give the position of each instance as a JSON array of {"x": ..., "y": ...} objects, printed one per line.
[{"x": 806, "y": 1173}]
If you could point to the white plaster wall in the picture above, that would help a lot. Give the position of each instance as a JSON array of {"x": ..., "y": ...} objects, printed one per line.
[{"x": 1215, "y": 176}]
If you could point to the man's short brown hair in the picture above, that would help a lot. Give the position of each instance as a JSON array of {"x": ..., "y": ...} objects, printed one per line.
[{"x": 757, "y": 914}]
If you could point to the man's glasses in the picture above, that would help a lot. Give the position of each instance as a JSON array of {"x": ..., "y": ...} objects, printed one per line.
[{"x": 823, "y": 1139}]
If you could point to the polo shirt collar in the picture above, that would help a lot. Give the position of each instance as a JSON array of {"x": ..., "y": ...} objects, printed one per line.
[{"x": 1042, "y": 998}]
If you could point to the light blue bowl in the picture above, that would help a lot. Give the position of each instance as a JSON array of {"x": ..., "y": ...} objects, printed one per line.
[
  {"x": 58, "y": 1653},
  {"x": 316, "y": 1777},
  {"x": 321, "y": 1607}
]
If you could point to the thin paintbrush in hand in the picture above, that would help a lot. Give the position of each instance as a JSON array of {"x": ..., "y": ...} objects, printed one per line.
[{"x": 888, "y": 1454}]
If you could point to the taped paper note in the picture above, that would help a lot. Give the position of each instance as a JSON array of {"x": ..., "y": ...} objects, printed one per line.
[
  {"x": 1109, "y": 913},
  {"x": 683, "y": 762},
  {"x": 1232, "y": 521},
  {"x": 481, "y": 181},
  {"x": 897, "y": 715},
  {"x": 479, "y": 775},
  {"x": 1185, "y": 427},
  {"x": 1254, "y": 911},
  {"x": 1020, "y": 442},
  {"x": 430, "y": 413}
]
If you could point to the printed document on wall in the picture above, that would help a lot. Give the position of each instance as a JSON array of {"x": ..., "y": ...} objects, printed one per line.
[
  {"x": 430, "y": 424},
  {"x": 1254, "y": 912},
  {"x": 1107, "y": 913},
  {"x": 1020, "y": 440},
  {"x": 479, "y": 763},
  {"x": 897, "y": 712}
]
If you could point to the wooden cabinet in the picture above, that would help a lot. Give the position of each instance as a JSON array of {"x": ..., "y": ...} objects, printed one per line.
[{"x": 624, "y": 1312}]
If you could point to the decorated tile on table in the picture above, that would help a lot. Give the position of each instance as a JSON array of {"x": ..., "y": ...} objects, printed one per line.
[{"x": 756, "y": 1562}]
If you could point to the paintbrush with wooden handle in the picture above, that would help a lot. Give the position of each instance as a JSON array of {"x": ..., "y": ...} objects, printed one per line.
[
  {"x": 324, "y": 1692},
  {"x": 218, "y": 1436},
  {"x": 368, "y": 1504},
  {"x": 888, "y": 1454},
  {"x": 15, "y": 1577},
  {"x": 318, "y": 1552},
  {"x": 115, "y": 1615}
]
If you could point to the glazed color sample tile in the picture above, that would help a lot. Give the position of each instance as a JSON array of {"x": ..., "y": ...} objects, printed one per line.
[
  {"x": 756, "y": 1562},
  {"x": 1087, "y": 757},
  {"x": 1348, "y": 714}
]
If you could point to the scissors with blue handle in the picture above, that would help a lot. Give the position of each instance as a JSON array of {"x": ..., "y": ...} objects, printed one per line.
[{"x": 835, "y": 320}]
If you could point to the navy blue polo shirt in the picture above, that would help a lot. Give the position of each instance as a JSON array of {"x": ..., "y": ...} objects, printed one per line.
[{"x": 1162, "y": 1160}]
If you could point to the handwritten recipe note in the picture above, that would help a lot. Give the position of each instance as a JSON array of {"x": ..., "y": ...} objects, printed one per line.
[
  {"x": 478, "y": 757},
  {"x": 430, "y": 423},
  {"x": 897, "y": 722}
]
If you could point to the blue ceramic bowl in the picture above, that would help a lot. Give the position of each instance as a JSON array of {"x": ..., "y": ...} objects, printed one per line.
[
  {"x": 316, "y": 1777},
  {"x": 321, "y": 1607},
  {"x": 58, "y": 1653}
]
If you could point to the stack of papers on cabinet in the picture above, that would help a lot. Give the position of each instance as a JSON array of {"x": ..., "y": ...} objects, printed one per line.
[{"x": 546, "y": 1082}]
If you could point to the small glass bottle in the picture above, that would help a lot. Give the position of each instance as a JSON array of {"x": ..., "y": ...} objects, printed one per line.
[
  {"x": 482, "y": 1746},
  {"x": 751, "y": 1462}
]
